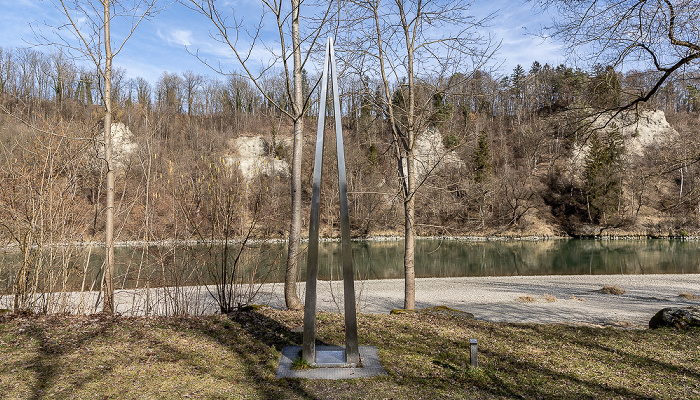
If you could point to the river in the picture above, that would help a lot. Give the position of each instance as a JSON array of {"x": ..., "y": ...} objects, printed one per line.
[{"x": 137, "y": 266}]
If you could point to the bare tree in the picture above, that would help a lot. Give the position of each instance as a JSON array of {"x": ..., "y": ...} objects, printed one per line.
[
  {"x": 40, "y": 205},
  {"x": 286, "y": 18},
  {"x": 192, "y": 83},
  {"x": 414, "y": 47},
  {"x": 62, "y": 76},
  {"x": 6, "y": 69},
  {"x": 169, "y": 93},
  {"x": 143, "y": 93},
  {"x": 88, "y": 34},
  {"x": 661, "y": 35}
]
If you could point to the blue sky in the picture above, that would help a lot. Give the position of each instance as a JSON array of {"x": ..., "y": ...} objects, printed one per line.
[{"x": 161, "y": 44}]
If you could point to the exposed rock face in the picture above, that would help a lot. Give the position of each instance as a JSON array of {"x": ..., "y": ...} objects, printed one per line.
[
  {"x": 252, "y": 156},
  {"x": 678, "y": 317},
  {"x": 641, "y": 131},
  {"x": 122, "y": 141},
  {"x": 431, "y": 154},
  {"x": 123, "y": 145}
]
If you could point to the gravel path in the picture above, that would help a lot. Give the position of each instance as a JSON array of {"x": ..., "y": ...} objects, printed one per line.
[
  {"x": 570, "y": 299},
  {"x": 557, "y": 299}
]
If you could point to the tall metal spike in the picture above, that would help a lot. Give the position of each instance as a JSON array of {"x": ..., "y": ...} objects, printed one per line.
[{"x": 352, "y": 357}]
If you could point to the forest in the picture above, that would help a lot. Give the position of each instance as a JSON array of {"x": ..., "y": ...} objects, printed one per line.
[{"x": 524, "y": 154}]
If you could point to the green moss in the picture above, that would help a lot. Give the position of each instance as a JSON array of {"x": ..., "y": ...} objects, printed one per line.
[{"x": 437, "y": 310}]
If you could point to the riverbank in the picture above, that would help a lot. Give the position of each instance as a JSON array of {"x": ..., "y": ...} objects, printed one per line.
[
  {"x": 569, "y": 299},
  {"x": 553, "y": 299},
  {"x": 377, "y": 238},
  {"x": 373, "y": 238}
]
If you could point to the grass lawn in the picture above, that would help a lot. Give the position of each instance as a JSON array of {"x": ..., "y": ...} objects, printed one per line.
[{"x": 425, "y": 355}]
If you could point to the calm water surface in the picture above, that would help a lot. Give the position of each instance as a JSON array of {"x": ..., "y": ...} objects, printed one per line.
[
  {"x": 435, "y": 258},
  {"x": 167, "y": 265}
]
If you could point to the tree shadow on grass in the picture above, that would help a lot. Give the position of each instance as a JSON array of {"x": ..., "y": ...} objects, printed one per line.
[
  {"x": 506, "y": 364},
  {"x": 55, "y": 343},
  {"x": 510, "y": 369},
  {"x": 513, "y": 368},
  {"x": 622, "y": 355},
  {"x": 424, "y": 355},
  {"x": 507, "y": 370},
  {"x": 268, "y": 334},
  {"x": 416, "y": 370},
  {"x": 250, "y": 339},
  {"x": 49, "y": 353}
]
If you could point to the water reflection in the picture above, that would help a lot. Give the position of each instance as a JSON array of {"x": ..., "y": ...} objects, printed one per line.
[
  {"x": 435, "y": 258},
  {"x": 186, "y": 265}
]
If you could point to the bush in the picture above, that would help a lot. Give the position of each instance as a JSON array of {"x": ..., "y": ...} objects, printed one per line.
[{"x": 616, "y": 290}]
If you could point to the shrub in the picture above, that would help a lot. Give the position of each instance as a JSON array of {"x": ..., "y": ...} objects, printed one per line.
[
  {"x": 616, "y": 290},
  {"x": 526, "y": 299},
  {"x": 688, "y": 296},
  {"x": 549, "y": 298}
]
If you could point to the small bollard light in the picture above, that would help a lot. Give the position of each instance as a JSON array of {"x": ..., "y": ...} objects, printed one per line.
[{"x": 473, "y": 350}]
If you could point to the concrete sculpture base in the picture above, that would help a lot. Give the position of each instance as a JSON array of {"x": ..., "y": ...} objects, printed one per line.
[{"x": 330, "y": 364}]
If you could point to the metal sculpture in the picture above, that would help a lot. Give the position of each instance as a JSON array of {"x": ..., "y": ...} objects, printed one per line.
[{"x": 352, "y": 357}]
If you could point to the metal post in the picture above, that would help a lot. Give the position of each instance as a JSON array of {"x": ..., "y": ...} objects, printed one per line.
[
  {"x": 473, "y": 353},
  {"x": 352, "y": 357},
  {"x": 308, "y": 352}
]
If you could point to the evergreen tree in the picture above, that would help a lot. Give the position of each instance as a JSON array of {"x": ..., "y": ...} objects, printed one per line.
[
  {"x": 603, "y": 176},
  {"x": 606, "y": 89},
  {"x": 518, "y": 78},
  {"x": 692, "y": 99},
  {"x": 442, "y": 109},
  {"x": 481, "y": 158}
]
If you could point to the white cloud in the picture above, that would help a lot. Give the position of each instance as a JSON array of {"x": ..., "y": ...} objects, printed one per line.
[
  {"x": 179, "y": 37},
  {"x": 182, "y": 37}
]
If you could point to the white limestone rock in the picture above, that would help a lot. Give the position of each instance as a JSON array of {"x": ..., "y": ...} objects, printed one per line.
[{"x": 252, "y": 156}]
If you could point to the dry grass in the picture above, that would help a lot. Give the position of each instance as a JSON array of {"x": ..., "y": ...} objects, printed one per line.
[
  {"x": 425, "y": 356},
  {"x": 572, "y": 297},
  {"x": 688, "y": 296},
  {"x": 549, "y": 298},
  {"x": 526, "y": 299},
  {"x": 614, "y": 289}
]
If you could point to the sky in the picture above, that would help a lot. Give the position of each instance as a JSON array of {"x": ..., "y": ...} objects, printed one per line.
[{"x": 166, "y": 43}]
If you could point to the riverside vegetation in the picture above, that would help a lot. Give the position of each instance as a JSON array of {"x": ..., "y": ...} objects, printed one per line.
[
  {"x": 509, "y": 155},
  {"x": 205, "y": 159}
]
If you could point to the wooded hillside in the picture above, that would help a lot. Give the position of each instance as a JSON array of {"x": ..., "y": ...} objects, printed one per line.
[{"x": 530, "y": 153}]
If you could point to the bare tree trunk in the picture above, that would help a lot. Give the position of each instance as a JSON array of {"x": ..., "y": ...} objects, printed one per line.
[
  {"x": 290, "y": 288},
  {"x": 109, "y": 210},
  {"x": 291, "y": 297},
  {"x": 409, "y": 302},
  {"x": 680, "y": 192}
]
